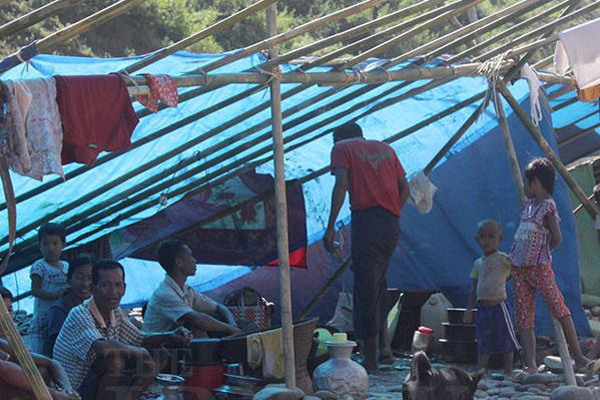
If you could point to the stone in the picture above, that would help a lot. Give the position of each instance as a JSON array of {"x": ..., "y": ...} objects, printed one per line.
[
  {"x": 493, "y": 391},
  {"x": 572, "y": 393},
  {"x": 325, "y": 395},
  {"x": 595, "y": 311},
  {"x": 278, "y": 392},
  {"x": 596, "y": 393},
  {"x": 311, "y": 397},
  {"x": 544, "y": 379},
  {"x": 480, "y": 394},
  {"x": 487, "y": 384}
]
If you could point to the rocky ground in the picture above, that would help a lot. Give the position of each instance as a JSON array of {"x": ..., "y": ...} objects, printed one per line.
[{"x": 542, "y": 386}]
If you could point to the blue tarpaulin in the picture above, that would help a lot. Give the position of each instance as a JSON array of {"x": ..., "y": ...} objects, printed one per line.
[{"x": 436, "y": 251}]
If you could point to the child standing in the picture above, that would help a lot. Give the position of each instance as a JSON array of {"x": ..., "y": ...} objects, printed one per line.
[
  {"x": 493, "y": 322},
  {"x": 537, "y": 236},
  {"x": 48, "y": 281}
]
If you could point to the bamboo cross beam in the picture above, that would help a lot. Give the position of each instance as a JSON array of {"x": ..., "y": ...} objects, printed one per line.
[
  {"x": 517, "y": 68},
  {"x": 300, "y": 30},
  {"x": 456, "y": 137},
  {"x": 36, "y": 16},
  {"x": 470, "y": 31},
  {"x": 510, "y": 149},
  {"x": 404, "y": 26},
  {"x": 49, "y": 42},
  {"x": 365, "y": 28},
  {"x": 537, "y": 135},
  {"x": 407, "y": 35},
  {"x": 114, "y": 10},
  {"x": 578, "y": 135},
  {"x": 375, "y": 76},
  {"x": 544, "y": 62},
  {"x": 495, "y": 38},
  {"x": 188, "y": 41},
  {"x": 538, "y": 31}
]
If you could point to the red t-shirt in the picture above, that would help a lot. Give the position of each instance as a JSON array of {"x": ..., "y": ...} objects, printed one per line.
[{"x": 373, "y": 172}]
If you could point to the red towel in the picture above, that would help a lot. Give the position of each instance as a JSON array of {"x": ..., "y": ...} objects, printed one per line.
[{"x": 96, "y": 115}]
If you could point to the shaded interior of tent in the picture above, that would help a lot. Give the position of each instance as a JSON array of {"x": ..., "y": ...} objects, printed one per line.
[{"x": 428, "y": 102}]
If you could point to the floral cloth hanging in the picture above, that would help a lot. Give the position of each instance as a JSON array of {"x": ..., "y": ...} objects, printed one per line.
[{"x": 162, "y": 87}]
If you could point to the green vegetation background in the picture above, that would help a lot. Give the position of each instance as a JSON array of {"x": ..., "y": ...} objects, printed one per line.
[{"x": 157, "y": 23}]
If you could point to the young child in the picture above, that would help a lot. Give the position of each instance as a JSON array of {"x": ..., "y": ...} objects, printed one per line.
[
  {"x": 493, "y": 321},
  {"x": 537, "y": 236},
  {"x": 7, "y": 297},
  {"x": 48, "y": 282}
]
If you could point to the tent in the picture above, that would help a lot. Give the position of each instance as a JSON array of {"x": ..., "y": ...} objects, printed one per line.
[
  {"x": 416, "y": 101},
  {"x": 474, "y": 181}
]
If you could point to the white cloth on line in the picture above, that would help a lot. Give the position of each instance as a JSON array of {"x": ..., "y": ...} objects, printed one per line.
[
  {"x": 579, "y": 49},
  {"x": 421, "y": 192},
  {"x": 35, "y": 128},
  {"x": 534, "y": 92}
]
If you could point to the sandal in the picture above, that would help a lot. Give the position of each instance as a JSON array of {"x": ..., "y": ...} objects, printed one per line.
[{"x": 517, "y": 376}]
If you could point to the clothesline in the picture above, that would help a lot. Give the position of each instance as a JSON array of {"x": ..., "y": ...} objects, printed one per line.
[{"x": 137, "y": 83}]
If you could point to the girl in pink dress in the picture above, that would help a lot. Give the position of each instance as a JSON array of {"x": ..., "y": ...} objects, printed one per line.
[{"x": 531, "y": 257}]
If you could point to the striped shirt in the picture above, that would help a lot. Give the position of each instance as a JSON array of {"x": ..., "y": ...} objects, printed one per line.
[{"x": 84, "y": 325}]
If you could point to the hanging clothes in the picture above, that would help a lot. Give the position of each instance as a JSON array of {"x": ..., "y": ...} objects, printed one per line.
[
  {"x": 96, "y": 114},
  {"x": 534, "y": 92},
  {"x": 33, "y": 128},
  {"x": 162, "y": 87},
  {"x": 578, "y": 49}
]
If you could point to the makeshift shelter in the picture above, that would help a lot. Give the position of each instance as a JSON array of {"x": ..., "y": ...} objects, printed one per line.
[{"x": 422, "y": 104}]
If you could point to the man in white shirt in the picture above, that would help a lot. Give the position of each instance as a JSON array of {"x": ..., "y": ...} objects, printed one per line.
[{"x": 175, "y": 304}]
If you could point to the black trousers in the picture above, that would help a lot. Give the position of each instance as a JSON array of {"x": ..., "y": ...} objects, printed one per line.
[{"x": 375, "y": 233}]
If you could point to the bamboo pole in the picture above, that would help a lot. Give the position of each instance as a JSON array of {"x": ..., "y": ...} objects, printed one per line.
[
  {"x": 518, "y": 180},
  {"x": 7, "y": 327},
  {"x": 543, "y": 63},
  {"x": 510, "y": 149},
  {"x": 375, "y": 76},
  {"x": 406, "y": 35},
  {"x": 114, "y": 10},
  {"x": 365, "y": 28},
  {"x": 399, "y": 28},
  {"x": 49, "y": 42},
  {"x": 538, "y": 31},
  {"x": 470, "y": 31},
  {"x": 211, "y": 30},
  {"x": 578, "y": 135},
  {"x": 35, "y": 16},
  {"x": 537, "y": 135},
  {"x": 515, "y": 70},
  {"x": 283, "y": 248},
  {"x": 494, "y": 39},
  {"x": 300, "y": 30},
  {"x": 456, "y": 137}
]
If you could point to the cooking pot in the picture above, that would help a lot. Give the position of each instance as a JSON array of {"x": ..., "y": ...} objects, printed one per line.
[
  {"x": 455, "y": 315},
  {"x": 206, "y": 351}
]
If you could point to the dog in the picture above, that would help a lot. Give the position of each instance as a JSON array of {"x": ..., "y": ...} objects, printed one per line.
[{"x": 425, "y": 383}]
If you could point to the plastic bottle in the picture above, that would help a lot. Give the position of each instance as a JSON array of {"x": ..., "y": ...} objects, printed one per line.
[{"x": 422, "y": 340}]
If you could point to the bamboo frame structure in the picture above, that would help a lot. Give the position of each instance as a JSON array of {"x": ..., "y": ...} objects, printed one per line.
[
  {"x": 36, "y": 16},
  {"x": 283, "y": 248},
  {"x": 219, "y": 169},
  {"x": 536, "y": 134}
]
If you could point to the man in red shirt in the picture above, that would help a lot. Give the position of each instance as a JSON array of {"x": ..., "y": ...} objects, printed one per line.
[{"x": 371, "y": 172}]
